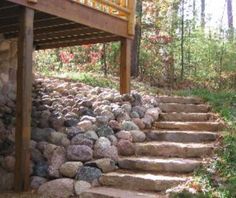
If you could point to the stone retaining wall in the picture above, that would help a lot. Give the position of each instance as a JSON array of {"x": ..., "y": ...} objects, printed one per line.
[{"x": 8, "y": 64}]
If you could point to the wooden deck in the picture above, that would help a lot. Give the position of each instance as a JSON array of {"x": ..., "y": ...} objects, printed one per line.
[
  {"x": 61, "y": 23},
  {"x": 44, "y": 24}
]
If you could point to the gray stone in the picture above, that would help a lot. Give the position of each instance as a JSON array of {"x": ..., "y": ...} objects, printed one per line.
[
  {"x": 79, "y": 153},
  {"x": 104, "y": 164},
  {"x": 80, "y": 139},
  {"x": 104, "y": 131},
  {"x": 125, "y": 135},
  {"x": 129, "y": 125},
  {"x": 69, "y": 169},
  {"x": 89, "y": 174},
  {"x": 138, "y": 136},
  {"x": 154, "y": 113},
  {"x": 101, "y": 120},
  {"x": 38, "y": 134},
  {"x": 59, "y": 188},
  {"x": 81, "y": 186},
  {"x": 125, "y": 148},
  {"x": 91, "y": 135},
  {"x": 85, "y": 125},
  {"x": 57, "y": 158},
  {"x": 37, "y": 181},
  {"x": 56, "y": 138}
]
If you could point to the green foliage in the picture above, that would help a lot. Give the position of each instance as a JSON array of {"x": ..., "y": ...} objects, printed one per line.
[
  {"x": 218, "y": 178},
  {"x": 223, "y": 102}
]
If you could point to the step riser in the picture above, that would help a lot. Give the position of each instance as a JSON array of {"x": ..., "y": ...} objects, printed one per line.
[
  {"x": 181, "y": 137},
  {"x": 133, "y": 183},
  {"x": 189, "y": 126},
  {"x": 172, "y": 151},
  {"x": 184, "y": 117},
  {"x": 180, "y": 100},
  {"x": 159, "y": 167},
  {"x": 182, "y": 108}
]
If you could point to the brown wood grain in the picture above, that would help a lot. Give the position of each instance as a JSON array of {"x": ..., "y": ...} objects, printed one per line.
[
  {"x": 125, "y": 66},
  {"x": 23, "y": 100}
]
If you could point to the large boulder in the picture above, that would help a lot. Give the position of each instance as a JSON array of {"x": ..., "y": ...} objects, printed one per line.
[{"x": 59, "y": 188}]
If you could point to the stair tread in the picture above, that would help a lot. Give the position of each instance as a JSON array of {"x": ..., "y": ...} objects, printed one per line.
[
  {"x": 120, "y": 193},
  {"x": 181, "y": 131},
  {"x": 148, "y": 176},
  {"x": 180, "y": 144},
  {"x": 189, "y": 122},
  {"x": 161, "y": 159}
]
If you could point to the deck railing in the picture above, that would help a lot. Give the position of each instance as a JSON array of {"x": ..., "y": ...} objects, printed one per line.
[{"x": 124, "y": 9}]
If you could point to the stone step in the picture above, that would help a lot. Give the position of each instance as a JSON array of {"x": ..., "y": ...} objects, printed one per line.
[
  {"x": 140, "y": 181},
  {"x": 181, "y": 100},
  {"x": 173, "y": 149},
  {"x": 189, "y": 126},
  {"x": 199, "y": 117},
  {"x": 177, "y": 165},
  {"x": 106, "y": 192},
  {"x": 181, "y": 136},
  {"x": 184, "y": 108}
]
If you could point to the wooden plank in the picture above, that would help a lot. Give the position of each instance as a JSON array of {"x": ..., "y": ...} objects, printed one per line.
[
  {"x": 125, "y": 66},
  {"x": 78, "y": 42},
  {"x": 50, "y": 32},
  {"x": 24, "y": 101},
  {"x": 81, "y": 14},
  {"x": 73, "y": 39},
  {"x": 42, "y": 23}
]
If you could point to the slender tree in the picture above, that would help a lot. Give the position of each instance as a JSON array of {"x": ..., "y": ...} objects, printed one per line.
[
  {"x": 137, "y": 40},
  {"x": 203, "y": 7},
  {"x": 182, "y": 39},
  {"x": 230, "y": 18}
]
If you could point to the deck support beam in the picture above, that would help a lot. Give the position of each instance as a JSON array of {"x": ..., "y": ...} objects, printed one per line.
[
  {"x": 125, "y": 66},
  {"x": 24, "y": 100}
]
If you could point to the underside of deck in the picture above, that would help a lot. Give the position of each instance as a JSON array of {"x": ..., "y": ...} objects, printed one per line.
[
  {"x": 45, "y": 24},
  {"x": 61, "y": 23}
]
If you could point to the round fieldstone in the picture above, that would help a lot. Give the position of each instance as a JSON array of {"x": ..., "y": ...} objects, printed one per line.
[
  {"x": 104, "y": 131},
  {"x": 129, "y": 125},
  {"x": 104, "y": 164},
  {"x": 81, "y": 140},
  {"x": 138, "y": 136},
  {"x": 89, "y": 174},
  {"x": 69, "y": 169},
  {"x": 125, "y": 148},
  {"x": 36, "y": 181},
  {"x": 81, "y": 186},
  {"x": 58, "y": 188},
  {"x": 79, "y": 153}
]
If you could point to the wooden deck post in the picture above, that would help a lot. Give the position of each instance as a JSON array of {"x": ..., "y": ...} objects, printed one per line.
[
  {"x": 125, "y": 66},
  {"x": 23, "y": 100}
]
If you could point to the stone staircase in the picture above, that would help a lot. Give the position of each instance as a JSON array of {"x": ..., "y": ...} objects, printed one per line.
[{"x": 175, "y": 147}]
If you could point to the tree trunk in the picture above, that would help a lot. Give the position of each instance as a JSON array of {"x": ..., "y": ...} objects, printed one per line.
[
  {"x": 203, "y": 6},
  {"x": 194, "y": 14},
  {"x": 182, "y": 41},
  {"x": 104, "y": 58},
  {"x": 230, "y": 18},
  {"x": 136, "y": 41}
]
